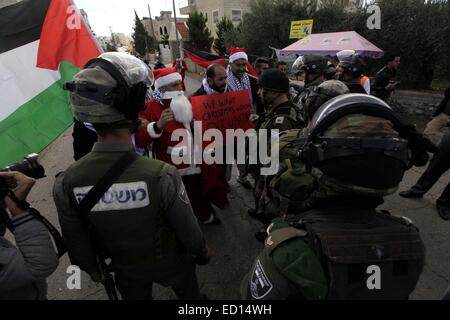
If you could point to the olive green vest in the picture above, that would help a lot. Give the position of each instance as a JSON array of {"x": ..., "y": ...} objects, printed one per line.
[
  {"x": 288, "y": 111},
  {"x": 128, "y": 220}
]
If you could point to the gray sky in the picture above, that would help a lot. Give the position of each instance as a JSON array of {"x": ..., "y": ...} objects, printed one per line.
[{"x": 119, "y": 14}]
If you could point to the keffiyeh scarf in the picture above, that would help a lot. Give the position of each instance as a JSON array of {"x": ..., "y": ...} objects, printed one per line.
[
  {"x": 234, "y": 84},
  {"x": 207, "y": 88},
  {"x": 158, "y": 96}
]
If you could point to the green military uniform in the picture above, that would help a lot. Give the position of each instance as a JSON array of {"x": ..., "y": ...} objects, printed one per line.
[
  {"x": 329, "y": 226},
  {"x": 280, "y": 117},
  {"x": 144, "y": 223},
  {"x": 283, "y": 118}
]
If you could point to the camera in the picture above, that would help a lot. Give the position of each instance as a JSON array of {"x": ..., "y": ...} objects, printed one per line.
[{"x": 30, "y": 167}]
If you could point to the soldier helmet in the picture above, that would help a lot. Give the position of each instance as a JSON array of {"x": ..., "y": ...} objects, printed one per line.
[
  {"x": 274, "y": 80},
  {"x": 361, "y": 146},
  {"x": 309, "y": 63},
  {"x": 352, "y": 64},
  {"x": 317, "y": 96},
  {"x": 110, "y": 89},
  {"x": 330, "y": 71}
]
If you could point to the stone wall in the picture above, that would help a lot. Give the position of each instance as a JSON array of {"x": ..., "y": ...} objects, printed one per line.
[{"x": 417, "y": 107}]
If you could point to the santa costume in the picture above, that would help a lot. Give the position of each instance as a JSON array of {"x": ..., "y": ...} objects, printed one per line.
[{"x": 164, "y": 148}]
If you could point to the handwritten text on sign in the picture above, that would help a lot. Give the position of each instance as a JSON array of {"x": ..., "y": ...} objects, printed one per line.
[{"x": 230, "y": 110}]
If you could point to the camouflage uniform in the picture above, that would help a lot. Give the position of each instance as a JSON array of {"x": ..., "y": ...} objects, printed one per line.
[
  {"x": 333, "y": 217},
  {"x": 283, "y": 118}
]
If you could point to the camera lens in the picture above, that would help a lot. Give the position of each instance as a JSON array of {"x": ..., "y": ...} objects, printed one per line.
[{"x": 29, "y": 167}]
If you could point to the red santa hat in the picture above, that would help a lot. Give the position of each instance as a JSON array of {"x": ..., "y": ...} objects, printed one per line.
[
  {"x": 237, "y": 54},
  {"x": 166, "y": 76}
]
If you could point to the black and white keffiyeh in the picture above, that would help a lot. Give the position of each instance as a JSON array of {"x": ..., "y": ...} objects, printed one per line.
[
  {"x": 158, "y": 96},
  {"x": 207, "y": 88},
  {"x": 234, "y": 84}
]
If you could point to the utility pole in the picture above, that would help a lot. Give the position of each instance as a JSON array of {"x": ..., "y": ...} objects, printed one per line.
[
  {"x": 151, "y": 23},
  {"x": 112, "y": 37},
  {"x": 176, "y": 31}
]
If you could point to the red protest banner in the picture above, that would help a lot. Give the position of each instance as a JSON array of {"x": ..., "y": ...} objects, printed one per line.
[{"x": 230, "y": 110}]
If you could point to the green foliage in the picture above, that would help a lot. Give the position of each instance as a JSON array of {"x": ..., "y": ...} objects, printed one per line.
[
  {"x": 143, "y": 43},
  {"x": 165, "y": 40},
  {"x": 419, "y": 30},
  {"x": 110, "y": 46},
  {"x": 223, "y": 42},
  {"x": 200, "y": 36}
]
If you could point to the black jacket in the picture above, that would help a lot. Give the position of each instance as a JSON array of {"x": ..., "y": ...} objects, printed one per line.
[
  {"x": 382, "y": 79},
  {"x": 256, "y": 99}
]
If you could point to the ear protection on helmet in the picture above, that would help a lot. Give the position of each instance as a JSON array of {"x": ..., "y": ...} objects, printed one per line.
[
  {"x": 410, "y": 148},
  {"x": 129, "y": 101}
]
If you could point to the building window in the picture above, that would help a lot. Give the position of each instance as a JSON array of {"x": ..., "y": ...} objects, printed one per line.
[
  {"x": 165, "y": 30},
  {"x": 215, "y": 16},
  {"x": 160, "y": 31},
  {"x": 206, "y": 15},
  {"x": 236, "y": 15}
]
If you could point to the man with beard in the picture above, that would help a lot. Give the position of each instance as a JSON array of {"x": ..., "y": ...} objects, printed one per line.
[
  {"x": 215, "y": 184},
  {"x": 165, "y": 114},
  {"x": 214, "y": 82},
  {"x": 237, "y": 80}
]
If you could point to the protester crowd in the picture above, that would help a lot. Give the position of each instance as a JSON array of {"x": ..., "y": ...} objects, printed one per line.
[{"x": 341, "y": 147}]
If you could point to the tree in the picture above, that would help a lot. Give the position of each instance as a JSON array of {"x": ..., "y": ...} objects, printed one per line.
[
  {"x": 143, "y": 43},
  {"x": 198, "y": 32},
  {"x": 419, "y": 30},
  {"x": 225, "y": 28},
  {"x": 165, "y": 40},
  {"x": 111, "y": 47}
]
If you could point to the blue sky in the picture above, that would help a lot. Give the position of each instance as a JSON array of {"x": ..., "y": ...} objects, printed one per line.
[{"x": 119, "y": 14}]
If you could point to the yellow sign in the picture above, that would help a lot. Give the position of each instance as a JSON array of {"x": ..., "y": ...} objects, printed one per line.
[{"x": 301, "y": 29}]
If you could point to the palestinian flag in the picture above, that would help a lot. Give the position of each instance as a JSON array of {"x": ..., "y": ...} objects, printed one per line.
[
  {"x": 43, "y": 44},
  {"x": 205, "y": 59}
]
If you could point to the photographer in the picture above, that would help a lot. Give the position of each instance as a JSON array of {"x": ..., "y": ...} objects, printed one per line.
[{"x": 23, "y": 269}]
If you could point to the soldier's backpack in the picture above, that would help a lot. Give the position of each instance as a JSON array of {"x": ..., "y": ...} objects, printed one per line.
[{"x": 363, "y": 254}]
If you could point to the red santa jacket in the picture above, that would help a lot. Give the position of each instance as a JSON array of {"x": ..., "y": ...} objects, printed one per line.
[{"x": 163, "y": 145}]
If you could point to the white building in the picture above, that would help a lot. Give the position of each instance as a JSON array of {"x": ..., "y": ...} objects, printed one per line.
[{"x": 164, "y": 24}]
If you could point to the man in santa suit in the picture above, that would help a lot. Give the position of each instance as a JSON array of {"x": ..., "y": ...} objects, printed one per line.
[{"x": 168, "y": 116}]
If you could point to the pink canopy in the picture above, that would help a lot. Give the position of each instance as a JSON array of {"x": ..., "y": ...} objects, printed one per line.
[{"x": 328, "y": 44}]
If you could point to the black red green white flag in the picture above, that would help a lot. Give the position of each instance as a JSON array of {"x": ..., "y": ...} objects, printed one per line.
[{"x": 43, "y": 44}]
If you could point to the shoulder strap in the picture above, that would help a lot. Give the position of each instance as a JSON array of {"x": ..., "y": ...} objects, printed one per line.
[
  {"x": 279, "y": 236},
  {"x": 111, "y": 176},
  {"x": 289, "y": 111}
]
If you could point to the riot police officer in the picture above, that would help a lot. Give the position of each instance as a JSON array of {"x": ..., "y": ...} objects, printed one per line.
[
  {"x": 350, "y": 70},
  {"x": 144, "y": 222},
  {"x": 355, "y": 151},
  {"x": 313, "y": 69}
]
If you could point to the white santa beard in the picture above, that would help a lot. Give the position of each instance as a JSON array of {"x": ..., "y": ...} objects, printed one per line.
[{"x": 180, "y": 106}]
